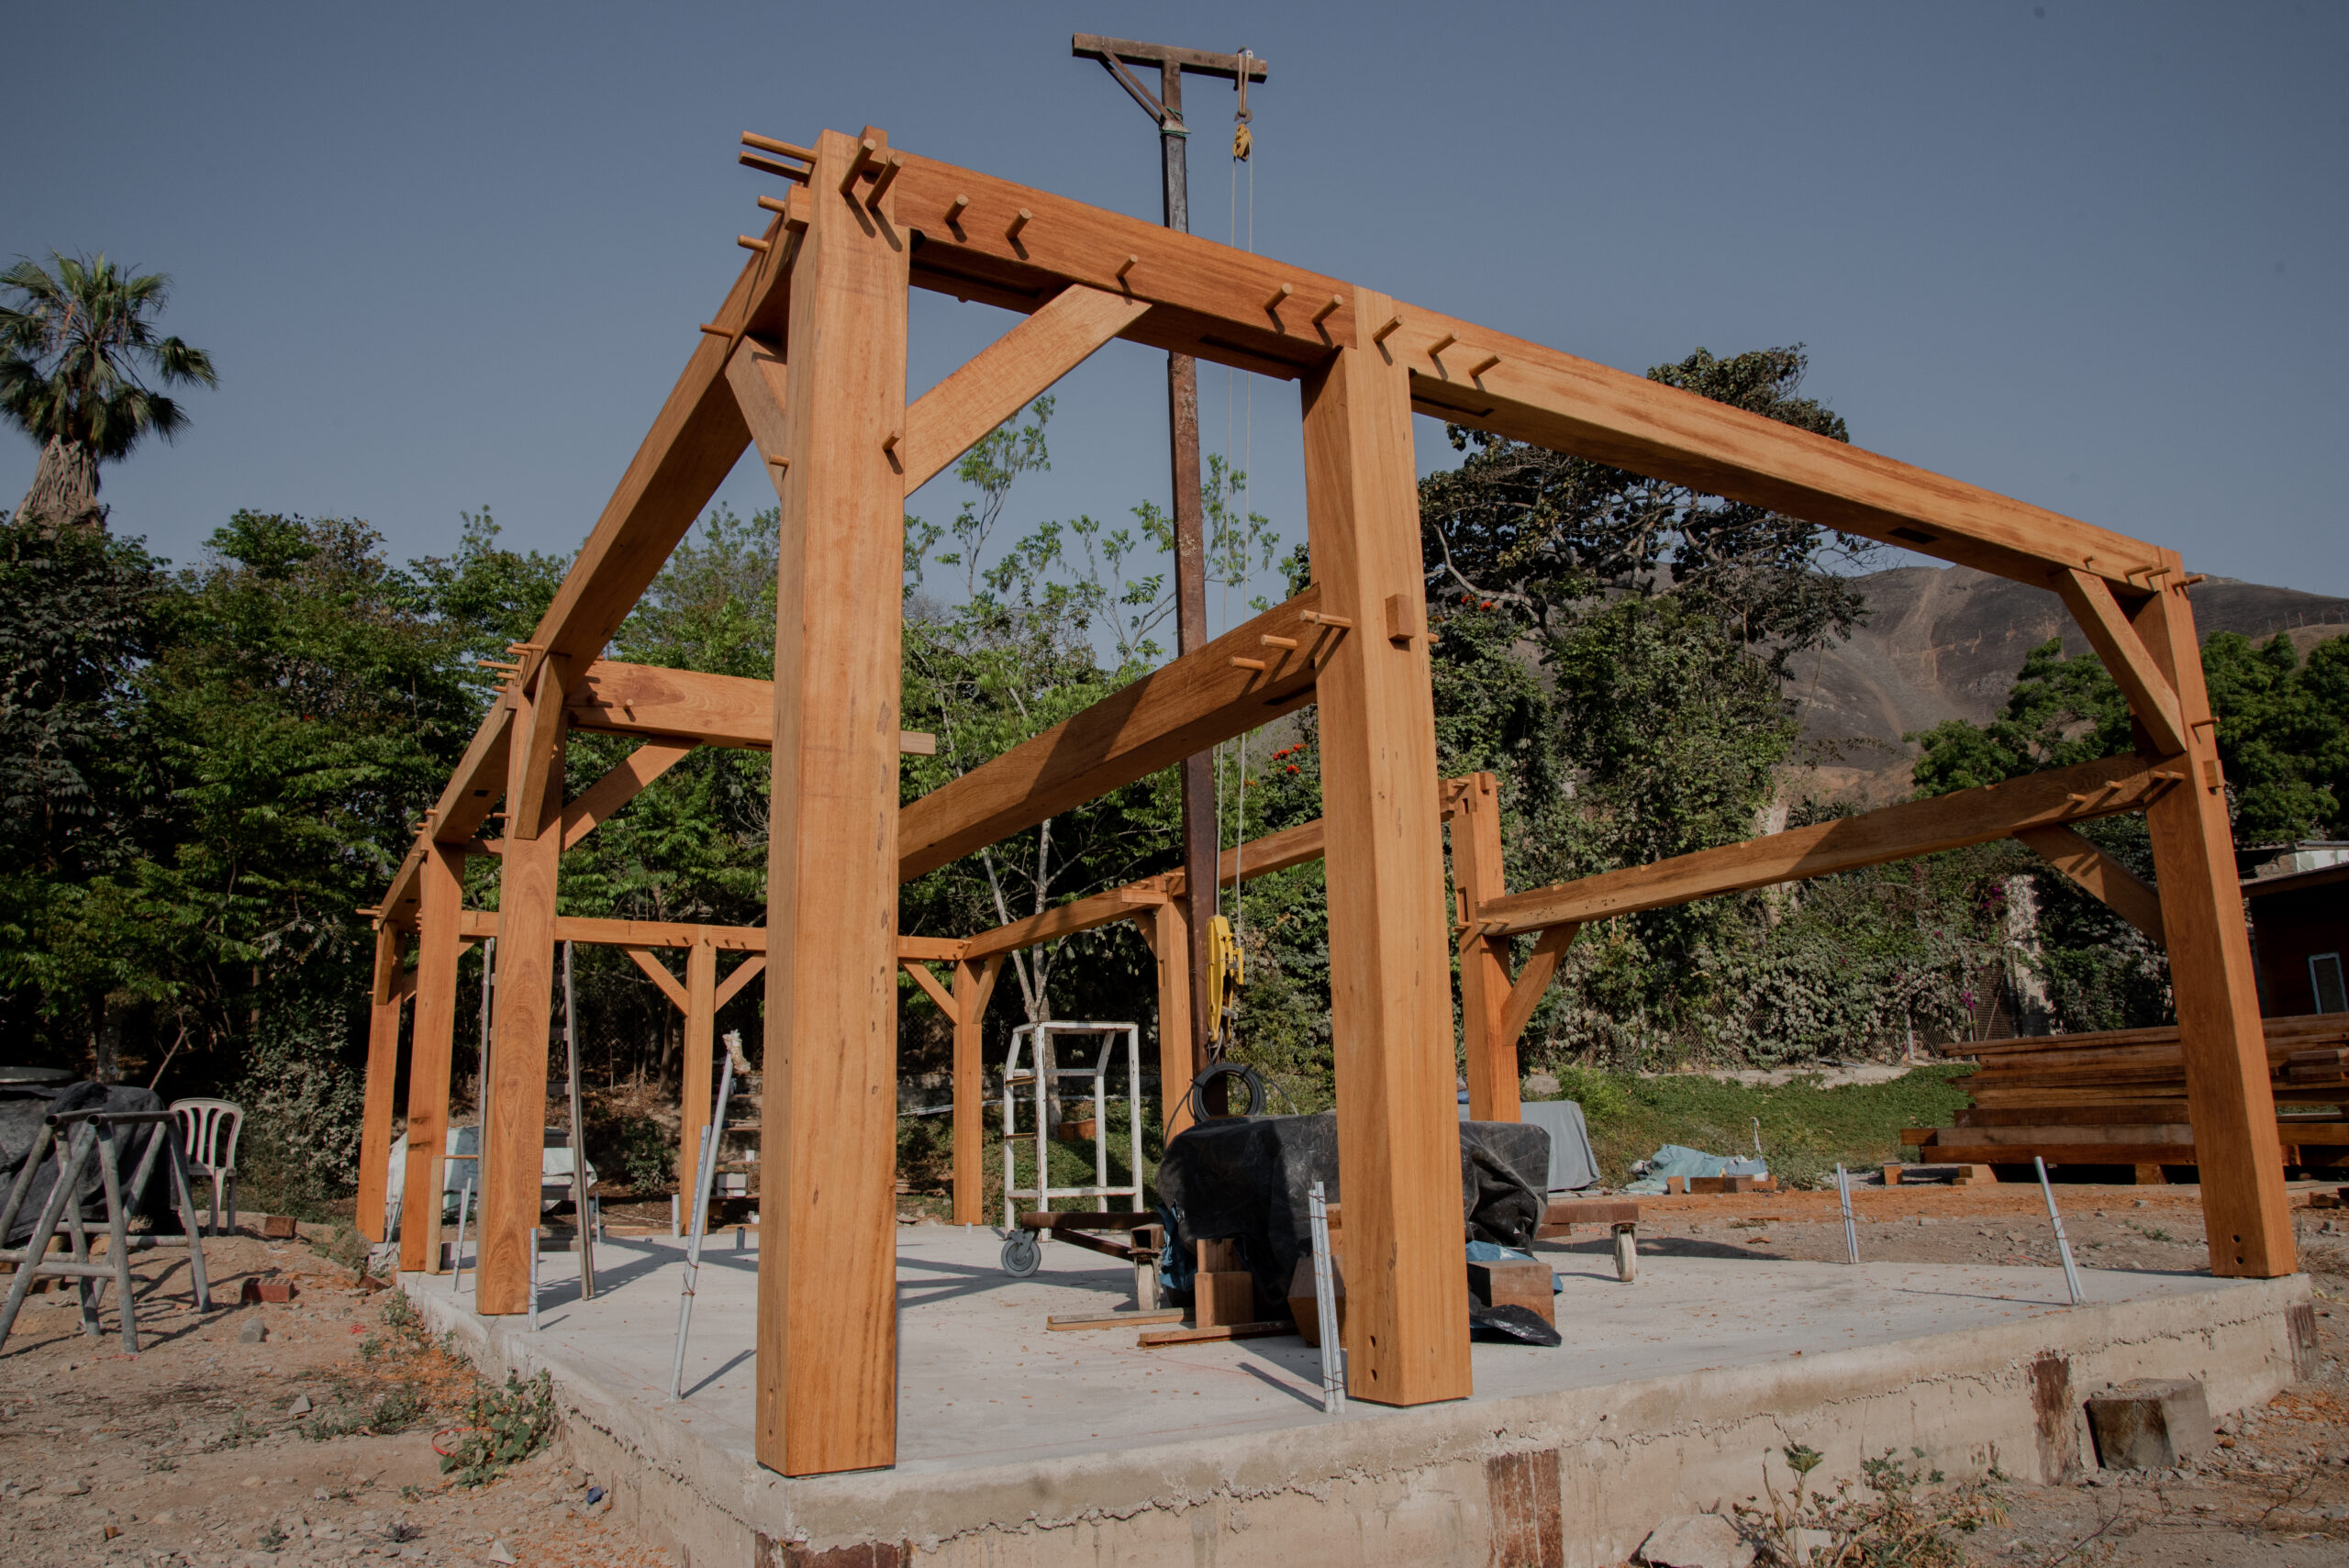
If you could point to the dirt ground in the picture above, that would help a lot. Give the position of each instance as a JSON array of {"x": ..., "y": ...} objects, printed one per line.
[{"x": 196, "y": 1451}]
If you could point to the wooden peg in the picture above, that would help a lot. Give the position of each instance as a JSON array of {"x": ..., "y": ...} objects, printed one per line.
[
  {"x": 1269, "y": 640},
  {"x": 769, "y": 144},
  {"x": 1394, "y": 325},
  {"x": 769, "y": 166},
  {"x": 1320, "y": 618},
  {"x": 954, "y": 210},
  {"x": 774, "y": 204},
  {"x": 1399, "y": 619},
  {"x": 889, "y": 443},
  {"x": 778, "y": 463},
  {"x": 499, "y": 664},
  {"x": 858, "y": 165},
  {"x": 1443, "y": 343},
  {"x": 1279, "y": 294},
  {"x": 1337, "y": 303},
  {"x": 889, "y": 172},
  {"x": 747, "y": 243},
  {"x": 1017, "y": 224},
  {"x": 717, "y": 332},
  {"x": 1239, "y": 663},
  {"x": 1488, "y": 362},
  {"x": 2189, "y": 582},
  {"x": 1127, "y": 265}
]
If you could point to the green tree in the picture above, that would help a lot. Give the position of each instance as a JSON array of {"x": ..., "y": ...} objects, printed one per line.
[{"x": 78, "y": 348}]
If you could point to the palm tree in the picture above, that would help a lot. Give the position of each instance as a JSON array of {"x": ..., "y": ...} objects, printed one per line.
[{"x": 73, "y": 345}]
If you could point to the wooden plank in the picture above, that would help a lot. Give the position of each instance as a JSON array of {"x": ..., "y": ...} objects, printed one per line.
[
  {"x": 973, "y": 984},
  {"x": 1168, "y": 929},
  {"x": 1541, "y": 967},
  {"x": 383, "y": 1075},
  {"x": 1478, "y": 878},
  {"x": 514, "y": 1113},
  {"x": 2150, "y": 697},
  {"x": 932, "y": 949},
  {"x": 1258, "y": 857},
  {"x": 618, "y": 698},
  {"x": 600, "y": 931},
  {"x": 697, "y": 1000},
  {"x": 1080, "y": 1322},
  {"x": 431, "y": 1046},
  {"x": 1066, "y": 920},
  {"x": 1390, "y": 1014},
  {"x": 1021, "y": 365},
  {"x": 619, "y": 786},
  {"x": 827, "y": 1340},
  {"x": 2101, "y": 788},
  {"x": 2130, "y": 895},
  {"x": 938, "y": 994},
  {"x": 2071, "y": 1154},
  {"x": 2246, "y": 1215},
  {"x": 1154, "y": 1340},
  {"x": 1180, "y": 708},
  {"x": 744, "y": 973},
  {"x": 657, "y": 972}
]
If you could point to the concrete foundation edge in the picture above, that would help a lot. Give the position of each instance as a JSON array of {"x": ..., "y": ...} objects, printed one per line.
[{"x": 1439, "y": 1484}]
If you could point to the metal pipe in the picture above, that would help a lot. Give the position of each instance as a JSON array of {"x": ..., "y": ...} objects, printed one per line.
[
  {"x": 702, "y": 1178},
  {"x": 457, "y": 1263},
  {"x": 1850, "y": 1226},
  {"x": 534, "y": 1279},
  {"x": 2063, "y": 1246},
  {"x": 585, "y": 1245},
  {"x": 1325, "y": 1304}
]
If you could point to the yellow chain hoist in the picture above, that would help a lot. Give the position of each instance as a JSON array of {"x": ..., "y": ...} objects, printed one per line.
[{"x": 1227, "y": 973}]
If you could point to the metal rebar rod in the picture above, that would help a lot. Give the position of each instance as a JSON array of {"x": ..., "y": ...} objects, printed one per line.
[
  {"x": 585, "y": 1245},
  {"x": 1325, "y": 1304},
  {"x": 534, "y": 1279},
  {"x": 1850, "y": 1226},
  {"x": 457, "y": 1259},
  {"x": 2063, "y": 1246},
  {"x": 702, "y": 1179}
]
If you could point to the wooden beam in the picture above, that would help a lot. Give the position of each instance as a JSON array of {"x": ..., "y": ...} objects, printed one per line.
[
  {"x": 956, "y": 414},
  {"x": 2151, "y": 698},
  {"x": 2101, "y": 788},
  {"x": 929, "y": 986},
  {"x": 1179, "y": 708},
  {"x": 382, "y": 1076},
  {"x": 601, "y": 931},
  {"x": 617, "y": 698},
  {"x": 1478, "y": 878},
  {"x": 973, "y": 984},
  {"x": 1541, "y": 967},
  {"x": 2245, "y": 1214},
  {"x": 1066, "y": 920},
  {"x": 619, "y": 786},
  {"x": 744, "y": 973},
  {"x": 1258, "y": 857},
  {"x": 827, "y": 1340},
  {"x": 472, "y": 791},
  {"x": 2130, "y": 896},
  {"x": 1167, "y": 928},
  {"x": 431, "y": 1046},
  {"x": 698, "y": 1001},
  {"x": 514, "y": 1101},
  {"x": 938, "y": 950},
  {"x": 1390, "y": 1001},
  {"x": 657, "y": 972}
]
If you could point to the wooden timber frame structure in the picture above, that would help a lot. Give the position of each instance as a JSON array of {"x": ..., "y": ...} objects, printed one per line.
[{"x": 804, "y": 358}]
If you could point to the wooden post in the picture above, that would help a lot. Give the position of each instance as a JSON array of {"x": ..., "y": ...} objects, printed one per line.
[
  {"x": 1168, "y": 927},
  {"x": 1484, "y": 978},
  {"x": 827, "y": 1340},
  {"x": 701, "y": 1059},
  {"x": 1398, "y": 1148},
  {"x": 439, "y": 897},
  {"x": 514, "y": 1104},
  {"x": 382, "y": 1079},
  {"x": 974, "y": 983},
  {"x": 2246, "y": 1215}
]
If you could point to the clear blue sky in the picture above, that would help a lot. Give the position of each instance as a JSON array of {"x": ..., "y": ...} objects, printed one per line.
[{"x": 448, "y": 257}]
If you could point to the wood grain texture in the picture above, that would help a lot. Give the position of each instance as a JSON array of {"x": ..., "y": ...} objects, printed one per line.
[
  {"x": 657, "y": 972},
  {"x": 1066, "y": 920},
  {"x": 2150, "y": 697},
  {"x": 438, "y": 944},
  {"x": 472, "y": 791},
  {"x": 601, "y": 931},
  {"x": 1186, "y": 706},
  {"x": 1390, "y": 1005},
  {"x": 514, "y": 1111},
  {"x": 2246, "y": 1215},
  {"x": 974, "y": 985},
  {"x": 382, "y": 1082},
  {"x": 534, "y": 799},
  {"x": 1477, "y": 875},
  {"x": 1168, "y": 930},
  {"x": 616, "y": 698},
  {"x": 1005, "y": 376},
  {"x": 698, "y": 1098},
  {"x": 2130, "y": 896},
  {"x": 2079, "y": 794},
  {"x": 827, "y": 1342},
  {"x": 618, "y": 787},
  {"x": 750, "y": 968},
  {"x": 1525, "y": 992}
]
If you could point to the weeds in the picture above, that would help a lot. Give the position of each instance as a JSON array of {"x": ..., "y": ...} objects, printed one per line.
[
  {"x": 1896, "y": 1524},
  {"x": 272, "y": 1538},
  {"x": 508, "y": 1425},
  {"x": 238, "y": 1433}
]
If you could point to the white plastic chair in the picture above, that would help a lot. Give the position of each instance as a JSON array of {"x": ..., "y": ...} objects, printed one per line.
[{"x": 209, "y": 1129}]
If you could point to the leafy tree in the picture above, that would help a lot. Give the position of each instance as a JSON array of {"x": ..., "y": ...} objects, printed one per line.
[{"x": 74, "y": 344}]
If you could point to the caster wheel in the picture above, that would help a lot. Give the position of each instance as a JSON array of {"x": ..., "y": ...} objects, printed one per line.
[{"x": 1021, "y": 1254}]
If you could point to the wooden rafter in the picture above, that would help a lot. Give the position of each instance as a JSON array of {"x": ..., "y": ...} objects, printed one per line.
[
  {"x": 2130, "y": 895},
  {"x": 657, "y": 972},
  {"x": 744, "y": 973},
  {"x": 626, "y": 780},
  {"x": 2151, "y": 697},
  {"x": 929, "y": 985},
  {"x": 1066, "y": 920},
  {"x": 2102, "y": 788},
  {"x": 1541, "y": 967}
]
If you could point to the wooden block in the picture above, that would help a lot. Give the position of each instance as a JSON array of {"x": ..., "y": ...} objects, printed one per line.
[
  {"x": 1514, "y": 1283},
  {"x": 2151, "y": 1177},
  {"x": 1978, "y": 1175},
  {"x": 278, "y": 1228},
  {"x": 1719, "y": 1184},
  {"x": 1220, "y": 1257},
  {"x": 1070, "y": 1321},
  {"x": 1075, "y": 1131},
  {"x": 1306, "y": 1307},
  {"x": 276, "y": 1291},
  {"x": 1219, "y": 1299},
  {"x": 1892, "y": 1175},
  {"x": 1675, "y": 1185}
]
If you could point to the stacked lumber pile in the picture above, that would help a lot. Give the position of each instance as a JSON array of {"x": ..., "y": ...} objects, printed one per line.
[{"x": 2119, "y": 1098}]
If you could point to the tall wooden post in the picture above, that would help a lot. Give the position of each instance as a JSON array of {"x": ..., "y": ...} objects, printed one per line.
[
  {"x": 701, "y": 1059},
  {"x": 382, "y": 1079},
  {"x": 973, "y": 984},
  {"x": 440, "y": 900},
  {"x": 1168, "y": 927},
  {"x": 2246, "y": 1215},
  {"x": 514, "y": 1103},
  {"x": 1398, "y": 1149},
  {"x": 828, "y": 1322},
  {"x": 1483, "y": 961}
]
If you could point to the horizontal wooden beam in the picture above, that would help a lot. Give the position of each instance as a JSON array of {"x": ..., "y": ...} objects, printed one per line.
[
  {"x": 600, "y": 931},
  {"x": 1248, "y": 676},
  {"x": 2102, "y": 788},
  {"x": 617, "y": 698},
  {"x": 2130, "y": 895}
]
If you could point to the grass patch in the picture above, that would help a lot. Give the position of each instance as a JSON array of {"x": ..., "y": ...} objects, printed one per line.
[{"x": 1807, "y": 1127}]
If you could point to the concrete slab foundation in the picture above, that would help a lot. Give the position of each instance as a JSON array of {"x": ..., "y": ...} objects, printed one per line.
[{"x": 1020, "y": 1446}]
